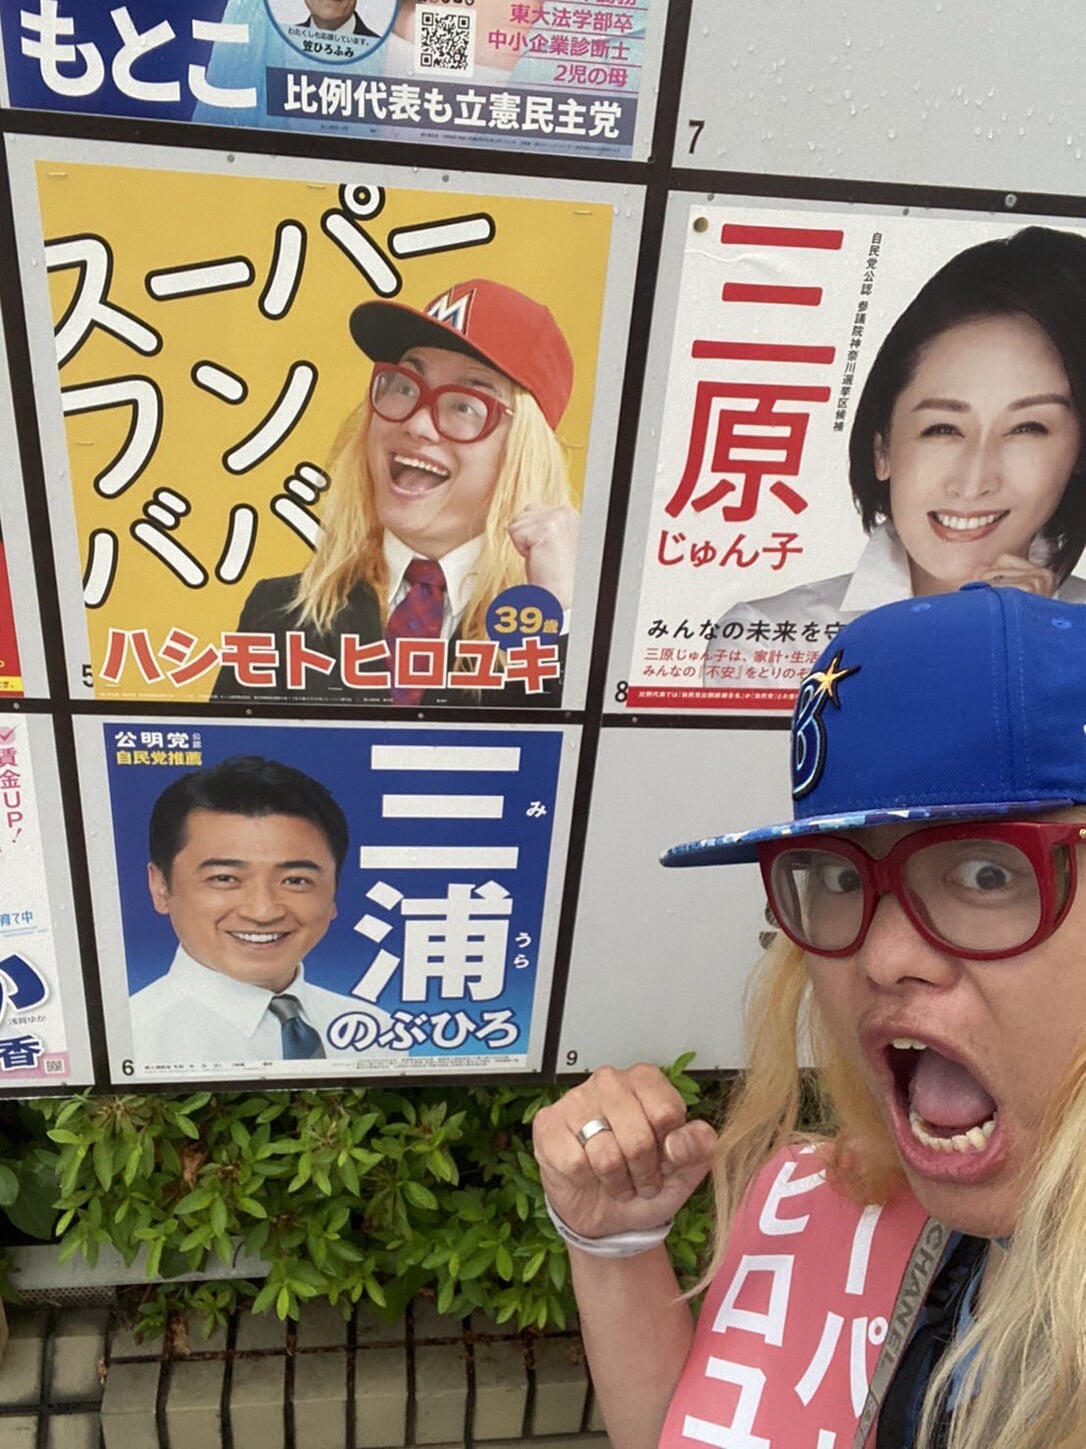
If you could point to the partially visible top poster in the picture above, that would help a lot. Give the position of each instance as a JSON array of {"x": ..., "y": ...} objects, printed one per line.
[
  {"x": 856, "y": 407},
  {"x": 22, "y": 660},
  {"x": 11, "y": 674},
  {"x": 519, "y": 77},
  {"x": 327, "y": 441}
]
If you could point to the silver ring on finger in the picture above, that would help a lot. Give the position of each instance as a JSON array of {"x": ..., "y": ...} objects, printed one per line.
[{"x": 592, "y": 1129}]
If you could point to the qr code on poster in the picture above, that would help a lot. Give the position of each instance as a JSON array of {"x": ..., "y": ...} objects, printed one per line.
[{"x": 445, "y": 41}]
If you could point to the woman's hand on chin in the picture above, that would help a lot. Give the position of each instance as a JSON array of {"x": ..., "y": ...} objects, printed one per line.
[
  {"x": 1010, "y": 571},
  {"x": 546, "y": 539}
]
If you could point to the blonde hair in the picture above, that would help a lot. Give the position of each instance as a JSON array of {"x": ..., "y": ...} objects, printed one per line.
[
  {"x": 783, "y": 1022},
  {"x": 1024, "y": 1360},
  {"x": 1025, "y": 1385},
  {"x": 533, "y": 470}
]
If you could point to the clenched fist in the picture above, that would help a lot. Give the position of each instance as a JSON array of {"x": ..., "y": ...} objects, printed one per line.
[
  {"x": 546, "y": 539},
  {"x": 637, "y": 1174}
]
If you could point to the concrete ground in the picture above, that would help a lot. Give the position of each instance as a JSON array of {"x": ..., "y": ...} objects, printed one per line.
[{"x": 74, "y": 1378}]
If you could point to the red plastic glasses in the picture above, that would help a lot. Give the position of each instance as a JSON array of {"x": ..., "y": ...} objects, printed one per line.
[
  {"x": 981, "y": 891},
  {"x": 461, "y": 414}
]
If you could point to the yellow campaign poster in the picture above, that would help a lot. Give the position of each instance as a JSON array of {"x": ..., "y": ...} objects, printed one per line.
[{"x": 285, "y": 401}]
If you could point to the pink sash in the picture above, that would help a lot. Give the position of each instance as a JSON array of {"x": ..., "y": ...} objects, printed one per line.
[{"x": 792, "y": 1325}]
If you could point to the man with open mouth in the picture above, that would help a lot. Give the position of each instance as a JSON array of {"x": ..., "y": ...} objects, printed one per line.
[
  {"x": 449, "y": 520},
  {"x": 915, "y": 1275}
]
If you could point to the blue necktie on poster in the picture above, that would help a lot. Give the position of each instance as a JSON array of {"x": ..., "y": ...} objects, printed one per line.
[{"x": 300, "y": 1041}]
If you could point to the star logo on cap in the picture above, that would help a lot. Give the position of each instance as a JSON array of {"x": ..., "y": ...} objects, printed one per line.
[
  {"x": 808, "y": 730},
  {"x": 829, "y": 678}
]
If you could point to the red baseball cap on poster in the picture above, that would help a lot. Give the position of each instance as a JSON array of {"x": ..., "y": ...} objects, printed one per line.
[{"x": 487, "y": 320}]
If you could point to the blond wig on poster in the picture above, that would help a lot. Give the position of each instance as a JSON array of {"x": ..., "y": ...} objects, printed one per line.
[
  {"x": 1024, "y": 1361},
  {"x": 533, "y": 470}
]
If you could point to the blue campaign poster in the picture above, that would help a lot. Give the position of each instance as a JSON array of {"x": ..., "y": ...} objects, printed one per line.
[
  {"x": 525, "y": 77},
  {"x": 426, "y": 954}
]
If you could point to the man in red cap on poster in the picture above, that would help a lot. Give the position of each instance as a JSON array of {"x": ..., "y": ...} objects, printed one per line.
[{"x": 449, "y": 530}]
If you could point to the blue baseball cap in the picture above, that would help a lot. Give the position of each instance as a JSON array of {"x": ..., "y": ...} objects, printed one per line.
[{"x": 960, "y": 706}]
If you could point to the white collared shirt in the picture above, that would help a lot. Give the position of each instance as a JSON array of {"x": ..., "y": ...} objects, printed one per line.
[
  {"x": 195, "y": 1016},
  {"x": 881, "y": 576},
  {"x": 459, "y": 565}
]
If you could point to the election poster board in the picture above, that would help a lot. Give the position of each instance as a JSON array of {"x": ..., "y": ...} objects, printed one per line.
[
  {"x": 433, "y": 954},
  {"x": 852, "y": 94},
  {"x": 660, "y": 958},
  {"x": 576, "y": 79},
  {"x": 43, "y": 1028},
  {"x": 212, "y": 401},
  {"x": 755, "y": 458}
]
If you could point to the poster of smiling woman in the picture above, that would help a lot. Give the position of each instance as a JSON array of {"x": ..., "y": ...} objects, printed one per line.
[
  {"x": 861, "y": 406},
  {"x": 328, "y": 437}
]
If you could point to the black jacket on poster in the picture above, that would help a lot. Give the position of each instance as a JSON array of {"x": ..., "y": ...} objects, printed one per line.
[
  {"x": 359, "y": 28},
  {"x": 269, "y": 610}
]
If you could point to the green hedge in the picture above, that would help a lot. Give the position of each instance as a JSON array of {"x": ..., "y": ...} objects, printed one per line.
[{"x": 369, "y": 1193}]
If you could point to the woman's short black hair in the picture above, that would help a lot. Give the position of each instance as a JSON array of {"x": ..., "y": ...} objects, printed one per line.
[
  {"x": 243, "y": 785},
  {"x": 1039, "y": 273}
]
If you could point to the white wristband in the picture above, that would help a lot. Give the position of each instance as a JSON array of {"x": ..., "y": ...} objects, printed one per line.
[{"x": 615, "y": 1245}]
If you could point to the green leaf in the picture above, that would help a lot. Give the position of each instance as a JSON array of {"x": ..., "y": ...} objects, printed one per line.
[
  {"x": 305, "y": 1273},
  {"x": 9, "y": 1186},
  {"x": 102, "y": 1158},
  {"x": 69, "y": 1110},
  {"x": 475, "y": 1266},
  {"x": 265, "y": 1298},
  {"x": 533, "y": 1265},
  {"x": 154, "y": 1258},
  {"x": 69, "y": 1248},
  {"x": 421, "y": 1196},
  {"x": 197, "y": 1200},
  {"x": 218, "y": 1216}
]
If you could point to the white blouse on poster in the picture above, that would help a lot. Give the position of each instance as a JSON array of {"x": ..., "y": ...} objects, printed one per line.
[{"x": 881, "y": 576}]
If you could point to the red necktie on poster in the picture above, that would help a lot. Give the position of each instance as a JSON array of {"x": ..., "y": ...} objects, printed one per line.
[{"x": 418, "y": 615}]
